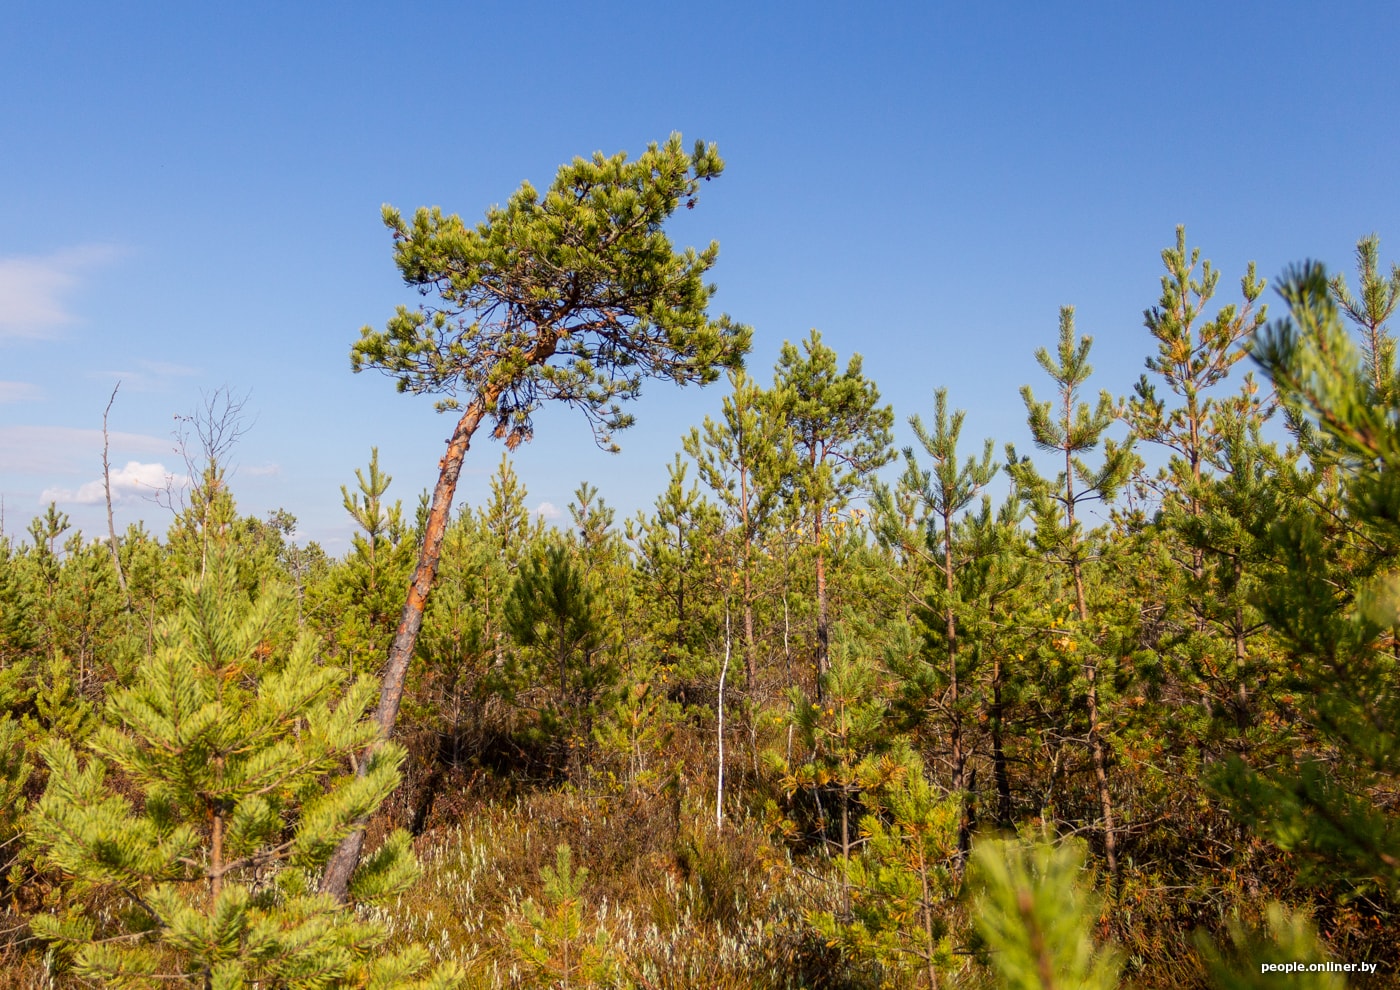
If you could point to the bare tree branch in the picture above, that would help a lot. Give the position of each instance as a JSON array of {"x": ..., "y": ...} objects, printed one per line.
[{"x": 107, "y": 489}]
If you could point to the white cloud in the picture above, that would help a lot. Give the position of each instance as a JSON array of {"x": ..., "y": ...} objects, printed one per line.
[
  {"x": 33, "y": 287},
  {"x": 135, "y": 480},
  {"x": 20, "y": 392},
  {"x": 262, "y": 470},
  {"x": 548, "y": 510}
]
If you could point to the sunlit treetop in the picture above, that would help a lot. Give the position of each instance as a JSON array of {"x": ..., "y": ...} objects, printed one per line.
[{"x": 574, "y": 296}]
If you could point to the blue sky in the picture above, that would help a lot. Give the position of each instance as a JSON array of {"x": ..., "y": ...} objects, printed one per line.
[{"x": 191, "y": 200}]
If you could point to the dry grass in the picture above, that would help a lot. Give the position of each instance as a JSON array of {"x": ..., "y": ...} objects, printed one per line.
[{"x": 681, "y": 906}]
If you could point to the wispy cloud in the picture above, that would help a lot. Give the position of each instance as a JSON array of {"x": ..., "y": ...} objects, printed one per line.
[
  {"x": 33, "y": 288},
  {"x": 135, "y": 480},
  {"x": 548, "y": 510},
  {"x": 48, "y": 450},
  {"x": 263, "y": 470},
  {"x": 146, "y": 376},
  {"x": 20, "y": 392}
]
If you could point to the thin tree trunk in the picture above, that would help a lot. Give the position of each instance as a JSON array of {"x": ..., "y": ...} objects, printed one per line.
[
  {"x": 930, "y": 944},
  {"x": 1243, "y": 715},
  {"x": 748, "y": 588},
  {"x": 216, "y": 858},
  {"x": 336, "y": 879},
  {"x": 999, "y": 770},
  {"x": 955, "y": 738},
  {"x": 787, "y": 648},
  {"x": 107, "y": 488},
  {"x": 750, "y": 690},
  {"x": 1097, "y": 755},
  {"x": 1100, "y": 761},
  {"x": 846, "y": 849},
  {"x": 823, "y": 634},
  {"x": 723, "y": 672}
]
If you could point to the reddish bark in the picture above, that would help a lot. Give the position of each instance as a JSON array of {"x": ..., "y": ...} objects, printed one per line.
[{"x": 336, "y": 879}]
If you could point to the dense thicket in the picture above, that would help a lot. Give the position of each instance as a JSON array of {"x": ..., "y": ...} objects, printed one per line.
[{"x": 1119, "y": 706}]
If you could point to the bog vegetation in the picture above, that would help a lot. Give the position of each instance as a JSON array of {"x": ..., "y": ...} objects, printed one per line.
[{"x": 1112, "y": 704}]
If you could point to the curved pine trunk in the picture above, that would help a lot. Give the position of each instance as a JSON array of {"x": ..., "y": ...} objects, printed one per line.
[{"x": 336, "y": 879}]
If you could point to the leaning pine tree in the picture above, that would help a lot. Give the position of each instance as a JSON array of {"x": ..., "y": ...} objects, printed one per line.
[
  {"x": 575, "y": 297},
  {"x": 189, "y": 839}
]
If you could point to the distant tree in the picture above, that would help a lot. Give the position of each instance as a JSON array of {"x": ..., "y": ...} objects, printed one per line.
[
  {"x": 743, "y": 458},
  {"x": 552, "y": 613},
  {"x": 17, "y": 632},
  {"x": 1207, "y": 437},
  {"x": 678, "y": 557},
  {"x": 1070, "y": 428},
  {"x": 463, "y": 639},
  {"x": 593, "y": 531},
  {"x": 605, "y": 563},
  {"x": 44, "y": 533},
  {"x": 381, "y": 529},
  {"x": 991, "y": 587},
  {"x": 842, "y": 436},
  {"x": 81, "y": 614},
  {"x": 1368, "y": 312},
  {"x": 370, "y": 583},
  {"x": 1193, "y": 356},
  {"x": 843, "y": 736},
  {"x": 946, "y": 490},
  {"x": 576, "y": 297},
  {"x": 205, "y": 439},
  {"x": 507, "y": 518},
  {"x": 464, "y": 645}
]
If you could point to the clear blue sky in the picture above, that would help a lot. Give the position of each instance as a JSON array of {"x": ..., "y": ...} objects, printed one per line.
[{"x": 191, "y": 199}]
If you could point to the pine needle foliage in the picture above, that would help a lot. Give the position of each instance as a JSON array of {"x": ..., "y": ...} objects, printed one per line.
[
  {"x": 553, "y": 941},
  {"x": 1193, "y": 356},
  {"x": 563, "y": 669},
  {"x": 1069, "y": 428},
  {"x": 1336, "y": 610},
  {"x": 1036, "y": 914},
  {"x": 1284, "y": 937},
  {"x": 1377, "y": 297},
  {"x": 215, "y": 791},
  {"x": 15, "y": 770},
  {"x": 574, "y": 296},
  {"x": 841, "y": 436},
  {"x": 904, "y": 881}
]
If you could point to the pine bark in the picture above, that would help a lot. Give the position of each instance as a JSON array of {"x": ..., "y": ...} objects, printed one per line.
[
  {"x": 1098, "y": 755},
  {"x": 336, "y": 879},
  {"x": 955, "y": 736}
]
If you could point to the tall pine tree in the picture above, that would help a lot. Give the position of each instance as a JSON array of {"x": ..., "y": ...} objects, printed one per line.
[{"x": 1070, "y": 428}]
